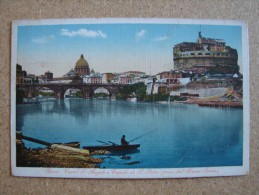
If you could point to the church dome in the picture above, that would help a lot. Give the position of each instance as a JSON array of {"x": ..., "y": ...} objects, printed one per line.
[
  {"x": 81, "y": 62},
  {"x": 82, "y": 67}
]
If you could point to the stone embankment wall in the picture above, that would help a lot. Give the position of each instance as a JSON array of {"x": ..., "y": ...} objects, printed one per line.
[
  {"x": 207, "y": 84},
  {"x": 203, "y": 92},
  {"x": 188, "y": 62},
  {"x": 204, "y": 88}
]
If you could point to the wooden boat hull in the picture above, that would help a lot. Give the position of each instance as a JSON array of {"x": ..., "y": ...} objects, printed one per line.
[
  {"x": 112, "y": 148},
  {"x": 70, "y": 144}
]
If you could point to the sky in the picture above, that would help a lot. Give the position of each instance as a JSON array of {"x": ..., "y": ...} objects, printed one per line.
[{"x": 112, "y": 47}]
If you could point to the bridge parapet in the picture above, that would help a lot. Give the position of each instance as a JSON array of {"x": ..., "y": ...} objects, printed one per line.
[{"x": 60, "y": 88}]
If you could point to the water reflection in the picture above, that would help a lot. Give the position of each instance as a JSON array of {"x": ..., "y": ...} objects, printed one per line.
[{"x": 183, "y": 135}]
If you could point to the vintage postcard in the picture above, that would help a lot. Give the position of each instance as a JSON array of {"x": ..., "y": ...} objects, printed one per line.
[{"x": 129, "y": 98}]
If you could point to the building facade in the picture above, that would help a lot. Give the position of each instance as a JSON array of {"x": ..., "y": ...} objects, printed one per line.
[
  {"x": 107, "y": 77},
  {"x": 93, "y": 78},
  {"x": 20, "y": 74},
  {"x": 48, "y": 75},
  {"x": 125, "y": 79},
  {"x": 175, "y": 77}
]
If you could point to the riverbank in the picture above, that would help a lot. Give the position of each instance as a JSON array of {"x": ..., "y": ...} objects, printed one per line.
[
  {"x": 54, "y": 157},
  {"x": 216, "y": 102}
]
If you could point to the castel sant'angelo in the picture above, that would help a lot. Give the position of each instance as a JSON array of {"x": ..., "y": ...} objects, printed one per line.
[{"x": 207, "y": 55}]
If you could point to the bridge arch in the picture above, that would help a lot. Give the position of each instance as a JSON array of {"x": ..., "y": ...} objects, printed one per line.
[
  {"x": 45, "y": 91},
  {"x": 104, "y": 90},
  {"x": 74, "y": 92},
  {"x": 35, "y": 89}
]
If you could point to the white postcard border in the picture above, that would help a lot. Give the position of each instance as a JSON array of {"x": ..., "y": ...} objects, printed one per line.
[{"x": 133, "y": 173}]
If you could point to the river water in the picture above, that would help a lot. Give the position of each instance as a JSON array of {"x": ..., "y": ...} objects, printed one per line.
[{"x": 182, "y": 135}]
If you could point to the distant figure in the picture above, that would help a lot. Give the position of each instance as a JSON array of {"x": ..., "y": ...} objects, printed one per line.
[{"x": 123, "y": 141}]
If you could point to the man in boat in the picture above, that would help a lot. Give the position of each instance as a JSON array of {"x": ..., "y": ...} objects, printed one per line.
[{"x": 123, "y": 141}]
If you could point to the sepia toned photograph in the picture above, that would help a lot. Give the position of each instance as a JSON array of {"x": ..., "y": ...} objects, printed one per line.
[{"x": 129, "y": 98}]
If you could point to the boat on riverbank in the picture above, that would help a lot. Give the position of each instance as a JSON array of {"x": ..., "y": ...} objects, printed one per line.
[
  {"x": 134, "y": 99},
  {"x": 70, "y": 144},
  {"x": 30, "y": 101},
  {"x": 112, "y": 148},
  {"x": 218, "y": 104}
]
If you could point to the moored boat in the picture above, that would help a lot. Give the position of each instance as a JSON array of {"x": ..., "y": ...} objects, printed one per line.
[
  {"x": 112, "y": 148},
  {"x": 70, "y": 144}
]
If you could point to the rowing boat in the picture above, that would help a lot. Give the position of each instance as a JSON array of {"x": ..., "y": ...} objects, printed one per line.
[{"x": 112, "y": 148}]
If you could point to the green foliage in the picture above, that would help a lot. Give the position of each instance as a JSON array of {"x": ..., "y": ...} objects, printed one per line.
[
  {"x": 79, "y": 94},
  {"x": 163, "y": 97},
  {"x": 102, "y": 95},
  {"x": 177, "y": 98},
  {"x": 157, "y": 97},
  {"x": 121, "y": 96},
  {"x": 46, "y": 93},
  {"x": 20, "y": 94},
  {"x": 141, "y": 92},
  {"x": 139, "y": 89}
]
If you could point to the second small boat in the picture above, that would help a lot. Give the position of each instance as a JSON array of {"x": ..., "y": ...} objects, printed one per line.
[{"x": 112, "y": 148}]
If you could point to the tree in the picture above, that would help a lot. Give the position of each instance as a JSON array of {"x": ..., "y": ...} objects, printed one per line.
[
  {"x": 20, "y": 94},
  {"x": 141, "y": 92},
  {"x": 139, "y": 89}
]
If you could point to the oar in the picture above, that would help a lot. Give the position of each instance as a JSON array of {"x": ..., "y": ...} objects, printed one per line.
[
  {"x": 113, "y": 143},
  {"x": 21, "y": 136},
  {"x": 140, "y": 136},
  {"x": 103, "y": 142}
]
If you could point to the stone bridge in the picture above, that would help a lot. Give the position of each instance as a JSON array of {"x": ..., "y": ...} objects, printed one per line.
[{"x": 59, "y": 89}]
